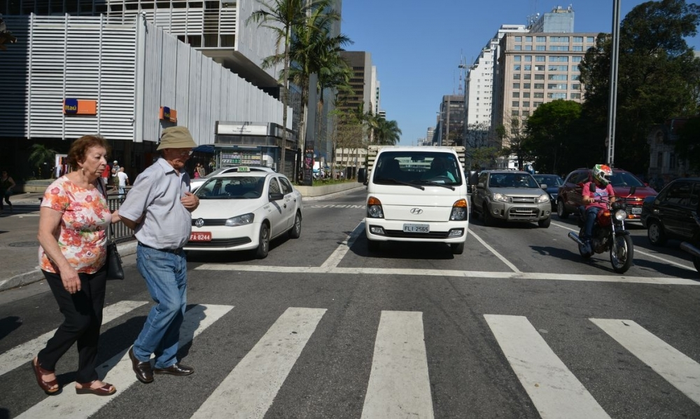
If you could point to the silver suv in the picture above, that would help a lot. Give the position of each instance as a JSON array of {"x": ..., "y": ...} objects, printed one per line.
[{"x": 511, "y": 196}]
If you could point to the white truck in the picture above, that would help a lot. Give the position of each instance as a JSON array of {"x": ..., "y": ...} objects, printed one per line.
[{"x": 416, "y": 194}]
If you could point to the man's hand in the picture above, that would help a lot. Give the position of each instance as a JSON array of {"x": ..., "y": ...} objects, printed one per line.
[{"x": 190, "y": 201}]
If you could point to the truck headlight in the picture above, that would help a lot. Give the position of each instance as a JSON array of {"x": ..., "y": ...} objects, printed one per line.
[
  {"x": 542, "y": 199},
  {"x": 499, "y": 197},
  {"x": 459, "y": 210},
  {"x": 374, "y": 208}
]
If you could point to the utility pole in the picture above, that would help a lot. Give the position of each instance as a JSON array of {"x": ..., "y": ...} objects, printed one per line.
[{"x": 612, "y": 108}]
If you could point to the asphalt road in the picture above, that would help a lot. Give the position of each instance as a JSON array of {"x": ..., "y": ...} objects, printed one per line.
[{"x": 516, "y": 327}]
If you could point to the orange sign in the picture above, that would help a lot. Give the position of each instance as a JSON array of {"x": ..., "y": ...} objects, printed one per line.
[
  {"x": 79, "y": 107},
  {"x": 168, "y": 114}
]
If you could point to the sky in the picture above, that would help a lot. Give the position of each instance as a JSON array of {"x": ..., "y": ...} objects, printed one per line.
[{"x": 417, "y": 45}]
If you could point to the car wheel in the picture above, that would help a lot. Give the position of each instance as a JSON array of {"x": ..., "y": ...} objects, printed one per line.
[
  {"x": 489, "y": 220},
  {"x": 295, "y": 231},
  {"x": 656, "y": 234},
  {"x": 457, "y": 248},
  {"x": 545, "y": 223},
  {"x": 561, "y": 210},
  {"x": 372, "y": 246},
  {"x": 263, "y": 242}
]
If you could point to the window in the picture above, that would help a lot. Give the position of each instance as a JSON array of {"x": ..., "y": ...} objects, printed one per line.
[
  {"x": 559, "y": 48},
  {"x": 518, "y": 39},
  {"x": 536, "y": 104},
  {"x": 286, "y": 186},
  {"x": 528, "y": 48},
  {"x": 559, "y": 39},
  {"x": 540, "y": 58},
  {"x": 541, "y": 48},
  {"x": 541, "y": 39},
  {"x": 515, "y": 112},
  {"x": 516, "y": 67},
  {"x": 518, "y": 48},
  {"x": 539, "y": 68},
  {"x": 558, "y": 59},
  {"x": 576, "y": 86},
  {"x": 555, "y": 86},
  {"x": 526, "y": 94},
  {"x": 539, "y": 85},
  {"x": 527, "y": 67},
  {"x": 578, "y": 39},
  {"x": 516, "y": 76},
  {"x": 557, "y": 77},
  {"x": 528, "y": 39},
  {"x": 590, "y": 39},
  {"x": 539, "y": 76},
  {"x": 516, "y": 85},
  {"x": 576, "y": 59},
  {"x": 538, "y": 95},
  {"x": 556, "y": 95},
  {"x": 577, "y": 48},
  {"x": 516, "y": 94},
  {"x": 274, "y": 186},
  {"x": 526, "y": 113},
  {"x": 526, "y": 104},
  {"x": 558, "y": 68},
  {"x": 528, "y": 58},
  {"x": 517, "y": 58},
  {"x": 575, "y": 96},
  {"x": 516, "y": 104},
  {"x": 527, "y": 76}
]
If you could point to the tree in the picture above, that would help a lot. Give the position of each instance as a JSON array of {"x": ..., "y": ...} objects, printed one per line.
[
  {"x": 386, "y": 132},
  {"x": 281, "y": 16},
  {"x": 515, "y": 136},
  {"x": 688, "y": 144},
  {"x": 40, "y": 155},
  {"x": 656, "y": 81},
  {"x": 549, "y": 131}
]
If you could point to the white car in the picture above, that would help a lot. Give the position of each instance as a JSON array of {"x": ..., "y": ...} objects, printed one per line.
[
  {"x": 195, "y": 183},
  {"x": 244, "y": 211}
]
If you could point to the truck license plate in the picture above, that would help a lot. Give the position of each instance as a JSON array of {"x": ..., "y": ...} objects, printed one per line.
[
  {"x": 636, "y": 210},
  {"x": 416, "y": 228},
  {"x": 200, "y": 236}
]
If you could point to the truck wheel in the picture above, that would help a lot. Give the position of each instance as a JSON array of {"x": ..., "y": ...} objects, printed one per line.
[{"x": 545, "y": 223}]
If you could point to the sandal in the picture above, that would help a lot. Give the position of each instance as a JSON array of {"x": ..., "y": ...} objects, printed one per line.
[
  {"x": 49, "y": 387},
  {"x": 106, "y": 389}
]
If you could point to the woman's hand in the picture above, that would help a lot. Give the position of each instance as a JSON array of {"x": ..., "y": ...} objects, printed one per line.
[
  {"x": 71, "y": 280},
  {"x": 115, "y": 217}
]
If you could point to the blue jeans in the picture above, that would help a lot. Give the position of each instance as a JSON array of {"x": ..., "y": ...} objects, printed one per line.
[
  {"x": 591, "y": 214},
  {"x": 166, "y": 278}
]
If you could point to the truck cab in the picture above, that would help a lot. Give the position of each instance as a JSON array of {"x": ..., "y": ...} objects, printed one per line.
[{"x": 416, "y": 194}]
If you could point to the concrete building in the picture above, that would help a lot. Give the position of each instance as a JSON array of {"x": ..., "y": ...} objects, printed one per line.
[
  {"x": 450, "y": 128},
  {"x": 363, "y": 82},
  {"x": 101, "y": 53},
  {"x": 537, "y": 68}
]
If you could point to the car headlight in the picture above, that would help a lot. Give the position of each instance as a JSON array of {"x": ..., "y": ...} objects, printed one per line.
[
  {"x": 620, "y": 215},
  {"x": 459, "y": 210},
  {"x": 240, "y": 220},
  {"x": 374, "y": 208},
  {"x": 499, "y": 197},
  {"x": 542, "y": 199}
]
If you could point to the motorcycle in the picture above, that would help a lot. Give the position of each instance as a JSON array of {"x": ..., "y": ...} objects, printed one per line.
[{"x": 608, "y": 234}]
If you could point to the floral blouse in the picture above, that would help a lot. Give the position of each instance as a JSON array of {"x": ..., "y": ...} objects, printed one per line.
[{"x": 81, "y": 235}]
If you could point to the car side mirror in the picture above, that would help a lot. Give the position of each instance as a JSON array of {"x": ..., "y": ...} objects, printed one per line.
[
  {"x": 276, "y": 196},
  {"x": 543, "y": 185}
]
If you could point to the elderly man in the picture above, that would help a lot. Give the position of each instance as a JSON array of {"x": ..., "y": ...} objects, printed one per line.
[{"x": 158, "y": 208}]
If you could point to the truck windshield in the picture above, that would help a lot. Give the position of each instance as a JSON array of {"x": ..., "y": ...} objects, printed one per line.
[{"x": 415, "y": 167}]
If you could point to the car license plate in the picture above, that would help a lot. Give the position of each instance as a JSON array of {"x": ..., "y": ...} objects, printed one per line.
[
  {"x": 416, "y": 228},
  {"x": 636, "y": 210},
  {"x": 200, "y": 236}
]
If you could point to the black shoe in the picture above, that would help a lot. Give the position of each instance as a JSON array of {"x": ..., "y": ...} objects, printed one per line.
[
  {"x": 175, "y": 369},
  {"x": 143, "y": 370}
]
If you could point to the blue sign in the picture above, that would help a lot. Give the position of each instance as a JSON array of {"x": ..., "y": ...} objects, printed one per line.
[{"x": 70, "y": 106}]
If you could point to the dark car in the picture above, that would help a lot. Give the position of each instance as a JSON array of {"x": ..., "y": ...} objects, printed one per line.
[
  {"x": 673, "y": 214},
  {"x": 625, "y": 184},
  {"x": 553, "y": 183}
]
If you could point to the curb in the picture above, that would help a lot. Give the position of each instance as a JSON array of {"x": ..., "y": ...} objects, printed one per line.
[{"x": 125, "y": 249}]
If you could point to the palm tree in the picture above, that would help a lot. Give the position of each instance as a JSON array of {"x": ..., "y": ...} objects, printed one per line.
[
  {"x": 386, "y": 132},
  {"x": 40, "y": 154},
  {"x": 282, "y": 16}
]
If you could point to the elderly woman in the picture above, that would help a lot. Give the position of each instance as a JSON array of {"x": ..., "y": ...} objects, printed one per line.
[{"x": 73, "y": 220}]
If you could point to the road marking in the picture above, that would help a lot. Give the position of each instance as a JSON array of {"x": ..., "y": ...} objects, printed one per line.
[
  {"x": 368, "y": 272},
  {"x": 399, "y": 383},
  {"x": 675, "y": 367},
  {"x": 636, "y": 250},
  {"x": 248, "y": 391},
  {"x": 121, "y": 374},
  {"x": 554, "y": 390},
  {"x": 339, "y": 253},
  {"x": 498, "y": 255},
  {"x": 26, "y": 352}
]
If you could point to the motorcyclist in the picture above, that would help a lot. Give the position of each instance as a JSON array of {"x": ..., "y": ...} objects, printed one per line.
[{"x": 596, "y": 195}]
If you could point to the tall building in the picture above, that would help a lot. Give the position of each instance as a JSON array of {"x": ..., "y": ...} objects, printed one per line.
[
  {"x": 538, "y": 67},
  {"x": 451, "y": 121},
  {"x": 362, "y": 82}
]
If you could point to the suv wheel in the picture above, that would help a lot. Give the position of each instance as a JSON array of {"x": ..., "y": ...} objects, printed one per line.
[
  {"x": 561, "y": 210},
  {"x": 656, "y": 233},
  {"x": 545, "y": 223}
]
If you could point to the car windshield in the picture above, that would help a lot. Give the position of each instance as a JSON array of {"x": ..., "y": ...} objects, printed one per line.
[
  {"x": 417, "y": 167},
  {"x": 625, "y": 180},
  {"x": 512, "y": 180},
  {"x": 238, "y": 187},
  {"x": 549, "y": 180}
]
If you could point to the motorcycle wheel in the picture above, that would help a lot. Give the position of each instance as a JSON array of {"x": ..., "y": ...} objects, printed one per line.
[
  {"x": 582, "y": 249},
  {"x": 622, "y": 258}
]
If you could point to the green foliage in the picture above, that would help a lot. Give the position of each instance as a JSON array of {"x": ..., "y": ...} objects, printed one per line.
[
  {"x": 688, "y": 144},
  {"x": 39, "y": 155},
  {"x": 659, "y": 78},
  {"x": 549, "y": 131}
]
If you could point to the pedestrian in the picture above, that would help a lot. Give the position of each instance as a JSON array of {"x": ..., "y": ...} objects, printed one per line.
[
  {"x": 6, "y": 186},
  {"x": 106, "y": 173},
  {"x": 73, "y": 221},
  {"x": 123, "y": 179},
  {"x": 158, "y": 209},
  {"x": 200, "y": 171}
]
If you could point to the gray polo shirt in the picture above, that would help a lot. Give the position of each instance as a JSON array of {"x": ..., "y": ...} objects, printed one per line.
[{"x": 156, "y": 193}]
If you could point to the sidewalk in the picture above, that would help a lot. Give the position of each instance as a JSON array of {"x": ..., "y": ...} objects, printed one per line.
[{"x": 19, "y": 246}]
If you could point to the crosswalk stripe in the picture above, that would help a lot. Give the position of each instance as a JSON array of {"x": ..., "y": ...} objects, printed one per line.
[
  {"x": 554, "y": 390},
  {"x": 399, "y": 384},
  {"x": 248, "y": 391},
  {"x": 72, "y": 405},
  {"x": 675, "y": 367},
  {"x": 26, "y": 352}
]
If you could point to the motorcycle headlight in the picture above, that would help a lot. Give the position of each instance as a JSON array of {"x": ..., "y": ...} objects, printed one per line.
[
  {"x": 542, "y": 199},
  {"x": 620, "y": 215},
  {"x": 499, "y": 197},
  {"x": 240, "y": 220}
]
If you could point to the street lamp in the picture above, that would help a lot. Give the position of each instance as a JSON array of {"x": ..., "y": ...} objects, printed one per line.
[{"x": 614, "y": 58}]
